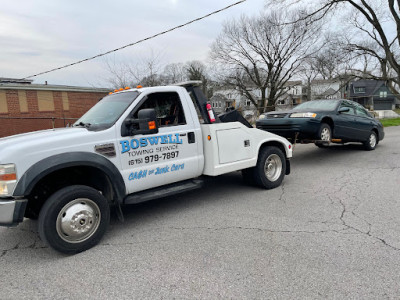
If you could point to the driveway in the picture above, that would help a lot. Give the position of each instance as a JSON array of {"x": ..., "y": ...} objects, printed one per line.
[{"x": 332, "y": 230}]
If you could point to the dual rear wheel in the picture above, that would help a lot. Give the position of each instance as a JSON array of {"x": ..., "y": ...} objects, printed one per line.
[{"x": 270, "y": 169}]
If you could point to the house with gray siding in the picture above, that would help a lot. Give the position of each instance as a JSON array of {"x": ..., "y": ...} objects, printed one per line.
[{"x": 372, "y": 94}]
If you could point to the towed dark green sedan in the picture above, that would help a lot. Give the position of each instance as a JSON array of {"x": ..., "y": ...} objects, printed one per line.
[{"x": 323, "y": 122}]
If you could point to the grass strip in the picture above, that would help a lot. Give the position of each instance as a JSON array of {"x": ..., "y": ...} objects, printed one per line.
[{"x": 390, "y": 122}]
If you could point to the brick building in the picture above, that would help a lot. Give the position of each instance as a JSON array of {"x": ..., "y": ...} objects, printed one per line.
[{"x": 28, "y": 107}]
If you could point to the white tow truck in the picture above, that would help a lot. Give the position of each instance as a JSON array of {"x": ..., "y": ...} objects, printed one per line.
[{"x": 132, "y": 146}]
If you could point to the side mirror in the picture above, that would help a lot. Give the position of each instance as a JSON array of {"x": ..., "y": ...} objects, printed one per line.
[
  {"x": 146, "y": 120},
  {"x": 343, "y": 110}
]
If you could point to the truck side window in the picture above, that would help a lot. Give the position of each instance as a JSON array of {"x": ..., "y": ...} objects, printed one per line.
[
  {"x": 197, "y": 109},
  {"x": 168, "y": 108}
]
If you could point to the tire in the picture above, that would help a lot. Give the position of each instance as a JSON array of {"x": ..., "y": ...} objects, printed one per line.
[
  {"x": 371, "y": 142},
  {"x": 74, "y": 219},
  {"x": 325, "y": 133},
  {"x": 270, "y": 168}
]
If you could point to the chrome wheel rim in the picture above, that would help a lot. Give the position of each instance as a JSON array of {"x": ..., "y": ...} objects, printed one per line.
[
  {"x": 78, "y": 220},
  {"x": 273, "y": 167},
  {"x": 372, "y": 140},
  {"x": 326, "y": 134}
]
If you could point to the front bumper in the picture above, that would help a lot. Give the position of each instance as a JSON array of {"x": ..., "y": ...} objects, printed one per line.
[
  {"x": 12, "y": 211},
  {"x": 288, "y": 127},
  {"x": 381, "y": 134}
]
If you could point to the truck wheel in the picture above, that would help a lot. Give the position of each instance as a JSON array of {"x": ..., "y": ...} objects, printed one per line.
[
  {"x": 270, "y": 168},
  {"x": 74, "y": 219}
]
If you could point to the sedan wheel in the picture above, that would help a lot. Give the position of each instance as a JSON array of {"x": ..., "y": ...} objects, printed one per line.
[
  {"x": 325, "y": 133},
  {"x": 372, "y": 141}
]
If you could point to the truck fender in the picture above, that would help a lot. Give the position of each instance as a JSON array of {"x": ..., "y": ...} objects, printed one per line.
[
  {"x": 276, "y": 143},
  {"x": 282, "y": 146},
  {"x": 66, "y": 160}
]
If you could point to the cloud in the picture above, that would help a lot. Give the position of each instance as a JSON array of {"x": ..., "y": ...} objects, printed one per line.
[{"x": 39, "y": 35}]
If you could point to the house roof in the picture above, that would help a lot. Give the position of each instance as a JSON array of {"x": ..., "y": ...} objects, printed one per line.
[
  {"x": 14, "y": 80},
  {"x": 323, "y": 81},
  {"x": 371, "y": 86},
  {"x": 49, "y": 87},
  {"x": 293, "y": 83},
  {"x": 330, "y": 92}
]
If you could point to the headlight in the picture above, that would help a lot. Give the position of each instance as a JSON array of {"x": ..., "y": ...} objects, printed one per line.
[
  {"x": 262, "y": 117},
  {"x": 303, "y": 115},
  {"x": 8, "y": 179}
]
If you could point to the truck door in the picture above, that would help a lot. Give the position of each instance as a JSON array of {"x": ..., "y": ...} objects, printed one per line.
[{"x": 171, "y": 155}]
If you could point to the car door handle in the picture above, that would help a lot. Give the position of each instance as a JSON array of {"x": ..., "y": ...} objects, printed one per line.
[{"x": 191, "y": 138}]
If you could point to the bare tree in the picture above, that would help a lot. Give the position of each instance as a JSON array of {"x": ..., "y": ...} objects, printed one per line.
[
  {"x": 376, "y": 32},
  {"x": 262, "y": 53},
  {"x": 142, "y": 71},
  {"x": 330, "y": 62},
  {"x": 118, "y": 73},
  {"x": 197, "y": 70},
  {"x": 174, "y": 73}
]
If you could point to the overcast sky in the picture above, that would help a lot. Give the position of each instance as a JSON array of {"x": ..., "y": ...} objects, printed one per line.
[{"x": 40, "y": 35}]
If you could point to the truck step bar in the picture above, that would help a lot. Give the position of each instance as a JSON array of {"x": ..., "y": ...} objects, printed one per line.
[{"x": 164, "y": 191}]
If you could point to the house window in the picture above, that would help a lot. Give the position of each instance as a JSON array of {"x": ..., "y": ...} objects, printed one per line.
[
  {"x": 65, "y": 101},
  {"x": 3, "y": 102},
  {"x": 45, "y": 101},
  {"x": 383, "y": 94},
  {"x": 248, "y": 102},
  {"x": 359, "y": 89},
  {"x": 23, "y": 103}
]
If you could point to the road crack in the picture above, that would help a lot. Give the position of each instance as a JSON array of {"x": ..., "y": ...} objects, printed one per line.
[{"x": 367, "y": 233}]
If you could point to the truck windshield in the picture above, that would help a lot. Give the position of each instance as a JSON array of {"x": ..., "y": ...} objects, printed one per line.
[{"x": 107, "y": 111}]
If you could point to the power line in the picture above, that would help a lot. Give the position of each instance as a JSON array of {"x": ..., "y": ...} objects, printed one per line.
[{"x": 137, "y": 42}]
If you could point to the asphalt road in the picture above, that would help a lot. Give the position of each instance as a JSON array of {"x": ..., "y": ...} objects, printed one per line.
[{"x": 331, "y": 231}]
